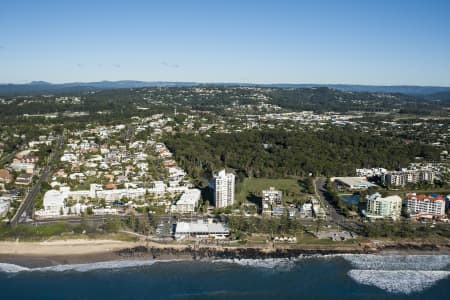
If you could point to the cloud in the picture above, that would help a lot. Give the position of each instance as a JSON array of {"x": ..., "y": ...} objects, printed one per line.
[{"x": 166, "y": 64}]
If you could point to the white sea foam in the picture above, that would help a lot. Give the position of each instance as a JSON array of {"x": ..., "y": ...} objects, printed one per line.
[
  {"x": 116, "y": 264},
  {"x": 398, "y": 262},
  {"x": 11, "y": 268},
  {"x": 402, "y": 281},
  {"x": 284, "y": 264},
  {"x": 398, "y": 273}
]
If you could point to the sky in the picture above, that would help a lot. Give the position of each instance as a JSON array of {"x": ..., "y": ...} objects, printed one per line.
[{"x": 379, "y": 42}]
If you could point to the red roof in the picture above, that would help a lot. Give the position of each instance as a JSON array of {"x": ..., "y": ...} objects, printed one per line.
[
  {"x": 5, "y": 174},
  {"x": 423, "y": 197},
  {"x": 111, "y": 186}
]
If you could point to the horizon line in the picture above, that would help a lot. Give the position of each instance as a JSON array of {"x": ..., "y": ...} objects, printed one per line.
[{"x": 224, "y": 82}]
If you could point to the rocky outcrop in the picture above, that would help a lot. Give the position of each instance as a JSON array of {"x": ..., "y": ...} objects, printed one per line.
[{"x": 234, "y": 253}]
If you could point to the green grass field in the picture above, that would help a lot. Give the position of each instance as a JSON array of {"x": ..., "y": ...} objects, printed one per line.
[{"x": 289, "y": 187}]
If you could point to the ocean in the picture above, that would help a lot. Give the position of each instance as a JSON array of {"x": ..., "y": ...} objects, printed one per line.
[{"x": 321, "y": 277}]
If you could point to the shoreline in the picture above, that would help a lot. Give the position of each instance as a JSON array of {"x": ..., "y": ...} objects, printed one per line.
[{"x": 63, "y": 252}]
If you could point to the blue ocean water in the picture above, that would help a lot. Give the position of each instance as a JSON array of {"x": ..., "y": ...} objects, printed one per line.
[{"x": 329, "y": 277}]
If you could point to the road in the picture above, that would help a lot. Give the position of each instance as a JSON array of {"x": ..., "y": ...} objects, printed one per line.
[
  {"x": 322, "y": 193},
  {"x": 332, "y": 213},
  {"x": 11, "y": 155},
  {"x": 28, "y": 203},
  {"x": 78, "y": 219}
]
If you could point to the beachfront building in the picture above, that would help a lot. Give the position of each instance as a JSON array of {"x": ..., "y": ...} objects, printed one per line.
[
  {"x": 223, "y": 189},
  {"x": 270, "y": 198},
  {"x": 201, "y": 229},
  {"x": 54, "y": 203},
  {"x": 188, "y": 201},
  {"x": 379, "y": 207},
  {"x": 423, "y": 206},
  {"x": 4, "y": 207},
  {"x": 317, "y": 209}
]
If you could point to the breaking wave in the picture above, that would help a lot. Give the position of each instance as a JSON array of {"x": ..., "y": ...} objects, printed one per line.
[
  {"x": 404, "y": 274},
  {"x": 398, "y": 262},
  {"x": 117, "y": 264},
  {"x": 402, "y": 281},
  {"x": 280, "y": 264}
]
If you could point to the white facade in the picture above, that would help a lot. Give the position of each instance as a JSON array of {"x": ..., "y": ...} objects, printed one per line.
[
  {"x": 4, "y": 208},
  {"x": 54, "y": 202},
  {"x": 223, "y": 189},
  {"x": 159, "y": 187},
  {"x": 379, "y": 207},
  {"x": 271, "y": 197},
  {"x": 201, "y": 229},
  {"x": 188, "y": 201},
  {"x": 425, "y": 206},
  {"x": 401, "y": 178},
  {"x": 371, "y": 172}
]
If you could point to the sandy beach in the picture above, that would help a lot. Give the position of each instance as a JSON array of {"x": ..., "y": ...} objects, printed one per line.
[
  {"x": 76, "y": 251},
  {"x": 40, "y": 254}
]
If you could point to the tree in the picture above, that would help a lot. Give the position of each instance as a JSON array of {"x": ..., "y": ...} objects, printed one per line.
[{"x": 89, "y": 211}]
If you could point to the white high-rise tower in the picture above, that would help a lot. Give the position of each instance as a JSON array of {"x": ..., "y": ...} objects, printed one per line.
[{"x": 223, "y": 189}]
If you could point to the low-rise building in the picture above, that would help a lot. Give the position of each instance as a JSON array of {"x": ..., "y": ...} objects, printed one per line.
[
  {"x": 27, "y": 167},
  {"x": 423, "y": 206},
  {"x": 401, "y": 178},
  {"x": 317, "y": 209},
  {"x": 201, "y": 229},
  {"x": 4, "y": 207},
  {"x": 24, "y": 179},
  {"x": 371, "y": 172},
  {"x": 306, "y": 210},
  {"x": 5, "y": 176},
  {"x": 54, "y": 203},
  {"x": 188, "y": 201},
  {"x": 353, "y": 183},
  {"x": 379, "y": 207},
  {"x": 270, "y": 198}
]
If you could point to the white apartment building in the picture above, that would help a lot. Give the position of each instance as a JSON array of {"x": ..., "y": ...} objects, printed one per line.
[
  {"x": 379, "y": 207},
  {"x": 188, "y": 201},
  {"x": 54, "y": 202},
  {"x": 401, "y": 178},
  {"x": 423, "y": 206},
  {"x": 223, "y": 189},
  {"x": 371, "y": 172},
  {"x": 270, "y": 198}
]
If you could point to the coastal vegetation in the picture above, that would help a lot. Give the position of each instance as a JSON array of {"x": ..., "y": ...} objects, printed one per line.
[
  {"x": 110, "y": 228},
  {"x": 274, "y": 153}
]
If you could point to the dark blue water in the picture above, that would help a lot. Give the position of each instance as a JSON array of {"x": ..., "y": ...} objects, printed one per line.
[
  {"x": 347, "y": 277},
  {"x": 351, "y": 199}
]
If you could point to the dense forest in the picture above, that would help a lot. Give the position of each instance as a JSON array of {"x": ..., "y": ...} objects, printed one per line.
[
  {"x": 279, "y": 153},
  {"x": 325, "y": 99},
  {"x": 216, "y": 99}
]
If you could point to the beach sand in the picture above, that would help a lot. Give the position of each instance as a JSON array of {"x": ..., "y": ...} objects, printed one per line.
[
  {"x": 79, "y": 251},
  {"x": 39, "y": 254}
]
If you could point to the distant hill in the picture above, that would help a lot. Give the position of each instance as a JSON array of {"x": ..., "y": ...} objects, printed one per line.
[
  {"x": 444, "y": 96},
  {"x": 42, "y": 87}
]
